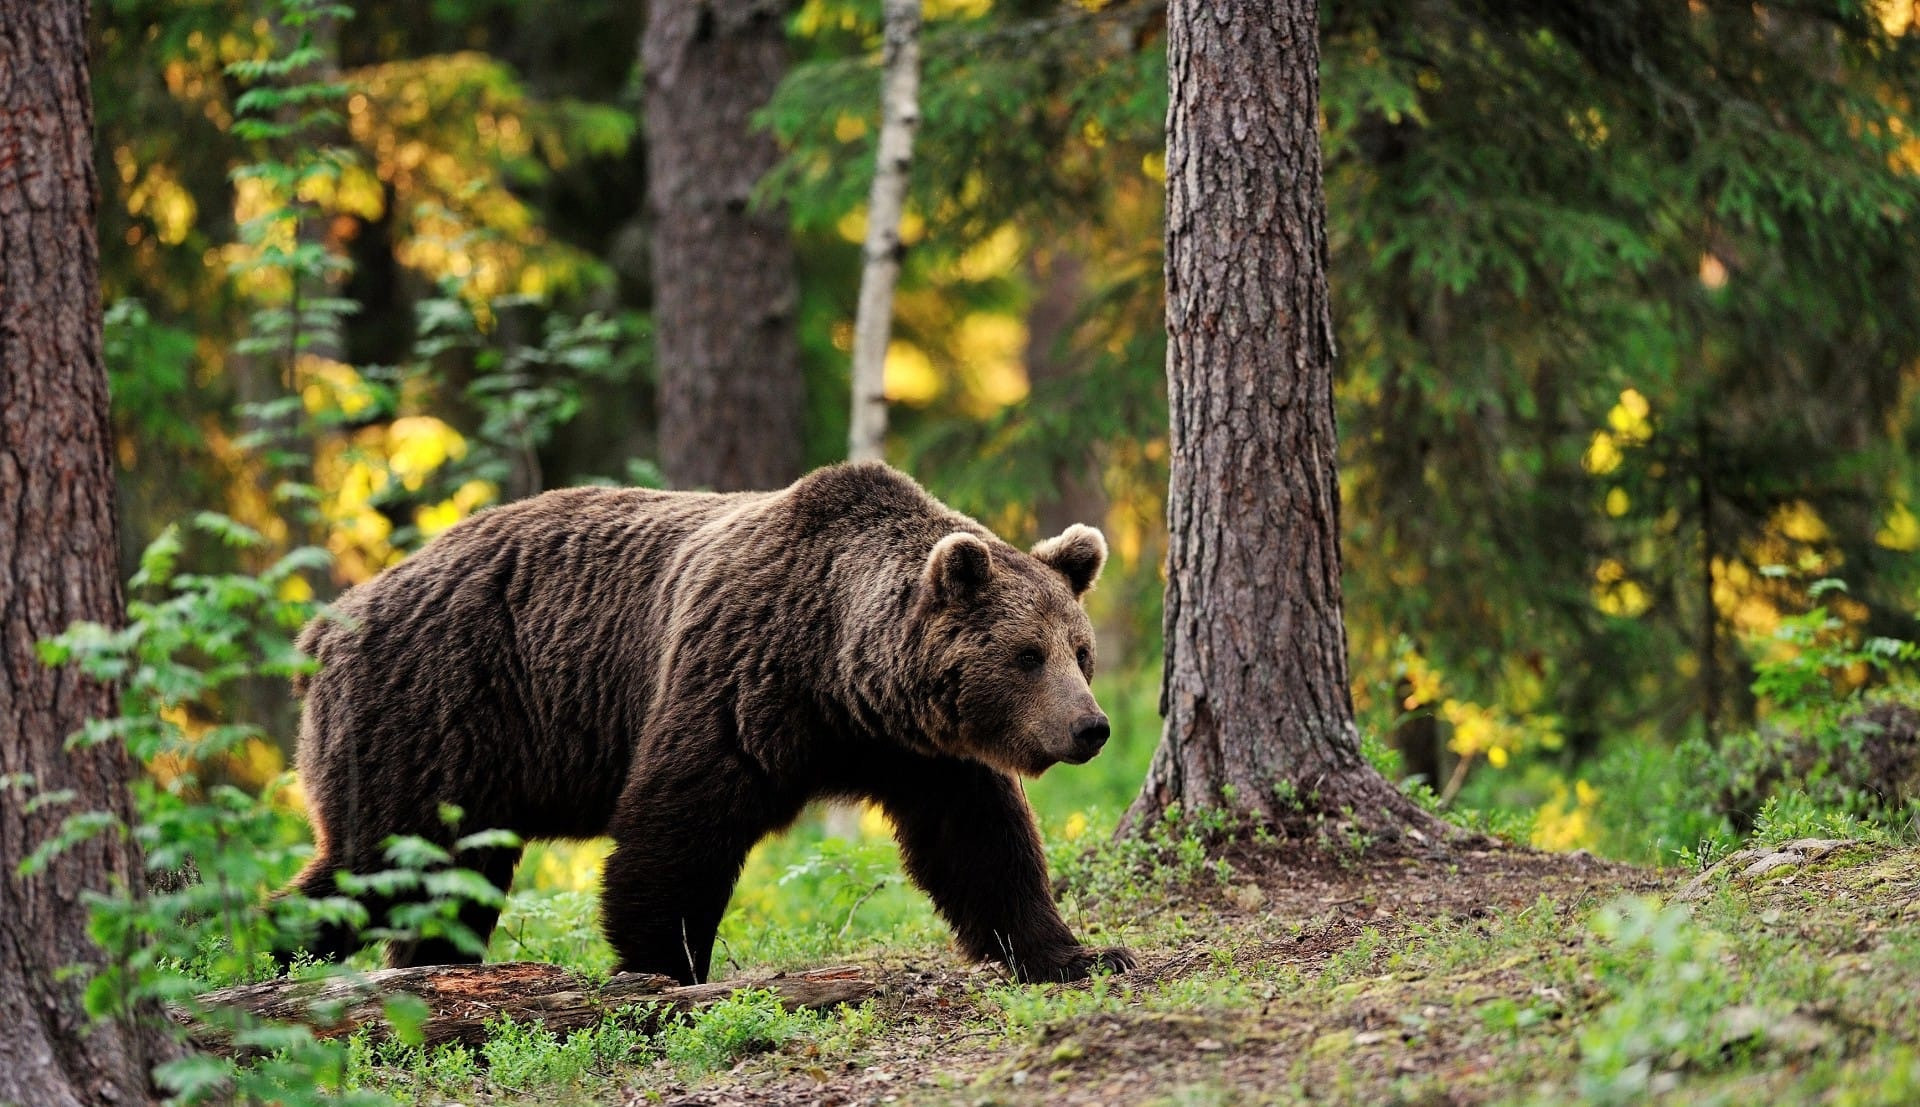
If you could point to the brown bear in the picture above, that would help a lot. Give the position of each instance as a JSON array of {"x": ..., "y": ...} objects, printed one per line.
[{"x": 684, "y": 672}]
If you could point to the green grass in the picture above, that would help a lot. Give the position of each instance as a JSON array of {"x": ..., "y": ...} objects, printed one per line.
[{"x": 1795, "y": 989}]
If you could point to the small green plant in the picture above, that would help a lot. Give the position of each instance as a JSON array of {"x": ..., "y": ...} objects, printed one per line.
[
  {"x": 846, "y": 873},
  {"x": 744, "y": 1023},
  {"x": 522, "y": 1056}
]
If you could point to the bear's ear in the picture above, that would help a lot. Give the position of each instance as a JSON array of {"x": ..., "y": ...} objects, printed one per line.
[
  {"x": 959, "y": 566},
  {"x": 1078, "y": 554}
]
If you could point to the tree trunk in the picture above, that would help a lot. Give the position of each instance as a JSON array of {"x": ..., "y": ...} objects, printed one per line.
[
  {"x": 1076, "y": 495},
  {"x": 462, "y": 999},
  {"x": 1259, "y": 716},
  {"x": 731, "y": 395},
  {"x": 57, "y": 565},
  {"x": 873, "y": 319}
]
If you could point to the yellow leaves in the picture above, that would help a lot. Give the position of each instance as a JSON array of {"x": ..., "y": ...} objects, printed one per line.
[
  {"x": 1901, "y": 531},
  {"x": 158, "y": 197},
  {"x": 1076, "y": 826},
  {"x": 332, "y": 386},
  {"x": 1602, "y": 455},
  {"x": 1618, "y": 502},
  {"x": 563, "y": 866},
  {"x": 1896, "y": 16},
  {"x": 1154, "y": 167},
  {"x": 910, "y": 375},
  {"x": 874, "y": 822},
  {"x": 353, "y": 475},
  {"x": 1476, "y": 729},
  {"x": 1423, "y": 681},
  {"x": 993, "y": 256},
  {"x": 467, "y": 499},
  {"x": 419, "y": 444},
  {"x": 849, "y": 127},
  {"x": 853, "y": 225},
  {"x": 1800, "y": 522},
  {"x": 1629, "y": 423},
  {"x": 1566, "y": 821},
  {"x": 991, "y": 348},
  {"x": 1629, "y": 417},
  {"x": 1739, "y": 595},
  {"x": 1616, "y": 593}
]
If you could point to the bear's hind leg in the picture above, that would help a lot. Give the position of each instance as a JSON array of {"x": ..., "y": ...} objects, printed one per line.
[
  {"x": 330, "y": 941},
  {"x": 496, "y": 865}
]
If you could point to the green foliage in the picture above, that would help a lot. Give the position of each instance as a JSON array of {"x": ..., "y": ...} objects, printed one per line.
[
  {"x": 1670, "y": 987},
  {"x": 523, "y": 1056},
  {"x": 744, "y": 1023}
]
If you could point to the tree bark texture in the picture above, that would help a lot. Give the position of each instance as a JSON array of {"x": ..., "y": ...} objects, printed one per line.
[
  {"x": 873, "y": 318},
  {"x": 462, "y": 999},
  {"x": 732, "y": 399},
  {"x": 1255, "y": 690},
  {"x": 57, "y": 565}
]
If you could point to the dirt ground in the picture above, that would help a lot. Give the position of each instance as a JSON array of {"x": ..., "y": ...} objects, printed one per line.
[{"x": 1278, "y": 911}]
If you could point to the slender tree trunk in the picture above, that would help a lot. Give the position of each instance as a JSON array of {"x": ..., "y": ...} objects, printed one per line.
[
  {"x": 873, "y": 320},
  {"x": 1075, "y": 496},
  {"x": 57, "y": 565},
  {"x": 731, "y": 395},
  {"x": 1709, "y": 611},
  {"x": 1258, "y": 711}
]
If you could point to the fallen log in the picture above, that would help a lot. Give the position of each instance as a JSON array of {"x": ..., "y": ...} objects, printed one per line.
[{"x": 461, "y": 1000}]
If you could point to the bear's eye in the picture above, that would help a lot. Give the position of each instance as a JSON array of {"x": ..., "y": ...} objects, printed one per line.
[
  {"x": 1030, "y": 660},
  {"x": 1085, "y": 657}
]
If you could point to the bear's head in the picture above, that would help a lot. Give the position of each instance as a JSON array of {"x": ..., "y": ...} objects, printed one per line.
[{"x": 1011, "y": 649}]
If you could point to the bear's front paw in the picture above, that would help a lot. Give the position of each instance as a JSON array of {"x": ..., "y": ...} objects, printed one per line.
[{"x": 1073, "y": 963}]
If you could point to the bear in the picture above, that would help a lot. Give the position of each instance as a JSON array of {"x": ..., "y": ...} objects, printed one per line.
[{"x": 684, "y": 672}]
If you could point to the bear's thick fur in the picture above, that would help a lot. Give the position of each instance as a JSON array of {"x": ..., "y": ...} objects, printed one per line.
[{"x": 684, "y": 672}]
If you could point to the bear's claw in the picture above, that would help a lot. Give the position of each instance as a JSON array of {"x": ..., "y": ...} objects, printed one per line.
[{"x": 1077, "y": 963}]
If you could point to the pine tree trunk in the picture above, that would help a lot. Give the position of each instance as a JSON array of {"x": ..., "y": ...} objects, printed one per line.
[
  {"x": 1258, "y": 711},
  {"x": 731, "y": 395},
  {"x": 873, "y": 320},
  {"x": 57, "y": 565}
]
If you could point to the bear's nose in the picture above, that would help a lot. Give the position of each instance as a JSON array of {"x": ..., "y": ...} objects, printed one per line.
[{"x": 1090, "y": 732}]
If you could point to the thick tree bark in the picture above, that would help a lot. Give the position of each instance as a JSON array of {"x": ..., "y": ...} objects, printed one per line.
[
  {"x": 873, "y": 319},
  {"x": 1258, "y": 711},
  {"x": 731, "y": 395},
  {"x": 462, "y": 999},
  {"x": 57, "y": 565}
]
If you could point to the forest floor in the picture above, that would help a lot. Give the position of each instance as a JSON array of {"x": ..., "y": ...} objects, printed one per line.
[
  {"x": 1273, "y": 974},
  {"x": 1489, "y": 975}
]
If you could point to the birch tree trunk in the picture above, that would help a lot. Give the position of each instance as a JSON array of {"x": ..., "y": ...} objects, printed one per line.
[
  {"x": 1258, "y": 711},
  {"x": 732, "y": 399},
  {"x": 873, "y": 320},
  {"x": 57, "y": 565}
]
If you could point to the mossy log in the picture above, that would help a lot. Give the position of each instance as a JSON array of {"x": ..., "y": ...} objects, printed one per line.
[{"x": 461, "y": 999}]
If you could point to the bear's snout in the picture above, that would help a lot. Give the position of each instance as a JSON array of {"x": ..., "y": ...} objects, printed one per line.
[{"x": 1089, "y": 733}]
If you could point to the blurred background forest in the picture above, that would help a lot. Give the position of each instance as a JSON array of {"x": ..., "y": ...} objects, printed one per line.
[{"x": 1628, "y": 300}]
